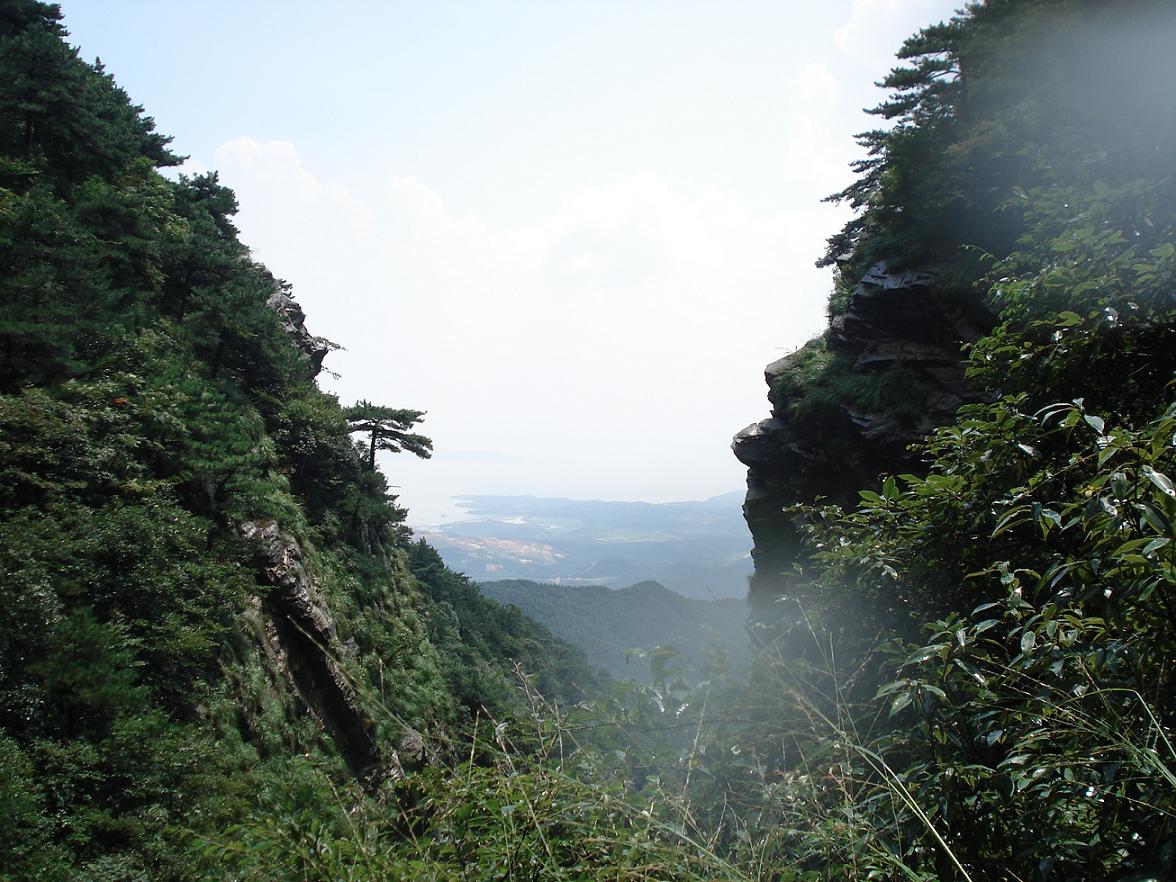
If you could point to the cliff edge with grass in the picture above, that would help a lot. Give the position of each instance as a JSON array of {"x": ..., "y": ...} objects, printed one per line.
[{"x": 995, "y": 133}]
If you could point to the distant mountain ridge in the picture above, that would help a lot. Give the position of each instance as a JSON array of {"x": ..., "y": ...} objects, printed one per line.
[
  {"x": 698, "y": 549},
  {"x": 608, "y": 623}
]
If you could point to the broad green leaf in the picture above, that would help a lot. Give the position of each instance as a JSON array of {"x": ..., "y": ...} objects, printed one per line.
[
  {"x": 936, "y": 691},
  {"x": 899, "y": 703},
  {"x": 985, "y": 625},
  {"x": 1160, "y": 480},
  {"x": 1154, "y": 545},
  {"x": 1014, "y": 517}
]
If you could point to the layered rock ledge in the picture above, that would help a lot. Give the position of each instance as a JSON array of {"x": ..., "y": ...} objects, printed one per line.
[{"x": 847, "y": 408}]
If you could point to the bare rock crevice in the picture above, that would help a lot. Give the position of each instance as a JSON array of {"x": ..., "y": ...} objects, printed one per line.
[{"x": 303, "y": 641}]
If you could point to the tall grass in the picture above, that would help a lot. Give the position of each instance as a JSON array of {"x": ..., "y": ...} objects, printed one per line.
[{"x": 800, "y": 774}]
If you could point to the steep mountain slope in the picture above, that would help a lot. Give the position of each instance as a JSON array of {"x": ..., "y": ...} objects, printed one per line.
[
  {"x": 996, "y": 123},
  {"x": 983, "y": 621},
  {"x": 209, "y": 601}
]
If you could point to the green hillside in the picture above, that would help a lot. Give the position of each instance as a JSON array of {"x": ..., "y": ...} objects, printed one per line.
[
  {"x": 223, "y": 656},
  {"x": 210, "y": 605},
  {"x": 608, "y": 624}
]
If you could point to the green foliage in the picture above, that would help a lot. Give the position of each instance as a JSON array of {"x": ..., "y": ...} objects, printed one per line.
[
  {"x": 1019, "y": 722},
  {"x": 838, "y": 387},
  {"x": 483, "y": 645},
  {"x": 1029, "y": 730},
  {"x": 517, "y": 808},
  {"x": 151, "y": 402},
  {"x": 312, "y": 438},
  {"x": 803, "y": 369},
  {"x": 980, "y": 685},
  {"x": 818, "y": 390},
  {"x": 1002, "y": 95},
  {"x": 54, "y": 288},
  {"x": 69, "y": 119},
  {"x": 977, "y": 686}
]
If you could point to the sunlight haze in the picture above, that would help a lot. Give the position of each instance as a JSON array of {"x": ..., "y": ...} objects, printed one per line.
[{"x": 573, "y": 233}]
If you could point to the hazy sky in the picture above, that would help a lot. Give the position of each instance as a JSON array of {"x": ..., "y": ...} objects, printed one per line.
[{"x": 573, "y": 232}]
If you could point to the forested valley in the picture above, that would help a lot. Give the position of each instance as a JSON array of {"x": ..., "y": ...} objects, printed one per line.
[{"x": 225, "y": 656}]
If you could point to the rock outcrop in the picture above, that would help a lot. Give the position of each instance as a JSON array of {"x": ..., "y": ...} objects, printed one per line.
[
  {"x": 303, "y": 646},
  {"x": 293, "y": 321},
  {"x": 891, "y": 372}
]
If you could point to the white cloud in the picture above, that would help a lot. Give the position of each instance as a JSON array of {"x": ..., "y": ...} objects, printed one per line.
[
  {"x": 814, "y": 90},
  {"x": 609, "y": 349},
  {"x": 276, "y": 165},
  {"x": 876, "y": 28},
  {"x": 189, "y": 167}
]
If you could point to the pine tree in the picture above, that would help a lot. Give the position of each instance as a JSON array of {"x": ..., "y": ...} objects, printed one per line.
[{"x": 388, "y": 429}]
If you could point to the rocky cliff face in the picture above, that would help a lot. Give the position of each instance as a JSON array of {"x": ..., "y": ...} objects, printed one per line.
[
  {"x": 293, "y": 321},
  {"x": 847, "y": 407},
  {"x": 300, "y": 643}
]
